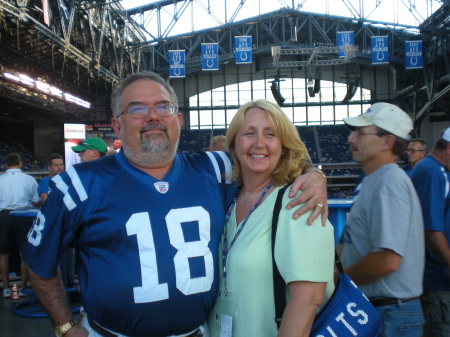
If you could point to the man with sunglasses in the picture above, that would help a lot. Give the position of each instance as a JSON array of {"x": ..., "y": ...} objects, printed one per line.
[
  {"x": 383, "y": 240},
  {"x": 416, "y": 151},
  {"x": 146, "y": 223}
]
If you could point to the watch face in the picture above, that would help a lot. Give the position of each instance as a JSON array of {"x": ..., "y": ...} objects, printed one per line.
[{"x": 58, "y": 333}]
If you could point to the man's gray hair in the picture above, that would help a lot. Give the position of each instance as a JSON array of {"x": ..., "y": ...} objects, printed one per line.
[{"x": 116, "y": 97}]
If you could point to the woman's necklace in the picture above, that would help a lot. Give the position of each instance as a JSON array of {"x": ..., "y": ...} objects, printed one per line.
[{"x": 225, "y": 247}]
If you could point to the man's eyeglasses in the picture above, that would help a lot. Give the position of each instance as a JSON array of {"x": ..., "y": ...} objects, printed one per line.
[
  {"x": 142, "y": 110},
  {"x": 412, "y": 150},
  {"x": 360, "y": 133}
]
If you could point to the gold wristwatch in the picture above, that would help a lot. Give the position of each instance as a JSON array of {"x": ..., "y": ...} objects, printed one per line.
[{"x": 61, "y": 330}]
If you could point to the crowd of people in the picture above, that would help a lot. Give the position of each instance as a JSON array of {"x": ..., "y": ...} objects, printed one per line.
[{"x": 177, "y": 244}]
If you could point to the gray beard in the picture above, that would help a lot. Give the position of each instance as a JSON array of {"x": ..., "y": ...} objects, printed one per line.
[{"x": 154, "y": 152}]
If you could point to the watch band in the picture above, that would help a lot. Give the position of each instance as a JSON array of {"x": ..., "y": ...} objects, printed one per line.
[{"x": 61, "y": 330}]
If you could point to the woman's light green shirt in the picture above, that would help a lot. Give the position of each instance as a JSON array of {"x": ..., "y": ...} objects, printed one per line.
[{"x": 302, "y": 253}]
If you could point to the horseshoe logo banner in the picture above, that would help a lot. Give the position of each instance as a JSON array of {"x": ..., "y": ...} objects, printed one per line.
[
  {"x": 177, "y": 63},
  {"x": 210, "y": 56},
  {"x": 344, "y": 38},
  {"x": 243, "y": 49},
  {"x": 413, "y": 55},
  {"x": 380, "y": 49}
]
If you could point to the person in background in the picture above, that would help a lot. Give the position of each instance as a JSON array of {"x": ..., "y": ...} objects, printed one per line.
[
  {"x": 17, "y": 191},
  {"x": 146, "y": 224},
  {"x": 416, "y": 151},
  {"x": 117, "y": 145},
  {"x": 268, "y": 154},
  {"x": 90, "y": 149},
  {"x": 55, "y": 166},
  {"x": 71, "y": 157},
  {"x": 217, "y": 143},
  {"x": 384, "y": 249},
  {"x": 431, "y": 180}
]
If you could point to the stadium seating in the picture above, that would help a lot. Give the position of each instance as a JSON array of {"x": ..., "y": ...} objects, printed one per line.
[
  {"x": 30, "y": 163},
  {"x": 325, "y": 144}
]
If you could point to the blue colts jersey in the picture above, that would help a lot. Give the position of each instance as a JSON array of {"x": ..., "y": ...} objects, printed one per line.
[{"x": 148, "y": 248}]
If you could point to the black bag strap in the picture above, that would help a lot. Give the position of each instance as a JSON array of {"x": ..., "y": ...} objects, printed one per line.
[{"x": 278, "y": 282}]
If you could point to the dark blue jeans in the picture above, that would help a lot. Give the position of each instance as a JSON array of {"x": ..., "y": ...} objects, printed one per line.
[
  {"x": 436, "y": 309},
  {"x": 401, "y": 319}
]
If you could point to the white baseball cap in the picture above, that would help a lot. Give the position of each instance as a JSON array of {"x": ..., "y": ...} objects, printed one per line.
[
  {"x": 446, "y": 135},
  {"x": 386, "y": 116}
]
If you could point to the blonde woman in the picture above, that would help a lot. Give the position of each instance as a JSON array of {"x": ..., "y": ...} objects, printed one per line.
[{"x": 268, "y": 154}]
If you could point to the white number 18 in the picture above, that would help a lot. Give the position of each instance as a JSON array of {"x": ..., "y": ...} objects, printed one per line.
[{"x": 151, "y": 290}]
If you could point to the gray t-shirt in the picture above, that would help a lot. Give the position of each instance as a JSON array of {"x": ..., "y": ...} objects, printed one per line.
[{"x": 387, "y": 215}]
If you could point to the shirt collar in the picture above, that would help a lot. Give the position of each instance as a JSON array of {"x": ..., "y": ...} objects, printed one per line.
[{"x": 14, "y": 170}]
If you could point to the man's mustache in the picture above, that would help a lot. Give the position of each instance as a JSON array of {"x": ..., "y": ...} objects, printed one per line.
[{"x": 153, "y": 127}]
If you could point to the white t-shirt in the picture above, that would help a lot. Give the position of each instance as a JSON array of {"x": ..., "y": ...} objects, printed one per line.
[{"x": 17, "y": 190}]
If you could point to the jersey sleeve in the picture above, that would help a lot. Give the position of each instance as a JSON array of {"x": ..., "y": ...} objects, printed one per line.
[
  {"x": 43, "y": 185},
  {"x": 219, "y": 164},
  {"x": 302, "y": 252},
  {"x": 53, "y": 229}
]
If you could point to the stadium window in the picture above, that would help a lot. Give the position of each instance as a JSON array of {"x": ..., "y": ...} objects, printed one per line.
[
  {"x": 215, "y": 109},
  {"x": 300, "y": 116},
  {"x": 341, "y": 112},
  {"x": 327, "y": 115}
]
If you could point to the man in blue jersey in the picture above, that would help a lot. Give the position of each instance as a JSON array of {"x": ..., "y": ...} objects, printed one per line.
[
  {"x": 55, "y": 166},
  {"x": 146, "y": 223},
  {"x": 431, "y": 180}
]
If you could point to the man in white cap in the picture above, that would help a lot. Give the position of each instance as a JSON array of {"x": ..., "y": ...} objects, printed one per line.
[
  {"x": 384, "y": 240},
  {"x": 432, "y": 182}
]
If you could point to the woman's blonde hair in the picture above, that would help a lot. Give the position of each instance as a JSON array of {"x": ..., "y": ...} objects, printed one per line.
[{"x": 294, "y": 152}]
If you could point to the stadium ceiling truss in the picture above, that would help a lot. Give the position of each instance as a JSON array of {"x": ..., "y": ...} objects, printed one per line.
[
  {"x": 88, "y": 46},
  {"x": 82, "y": 49}
]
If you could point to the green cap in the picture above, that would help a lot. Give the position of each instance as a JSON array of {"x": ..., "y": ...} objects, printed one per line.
[{"x": 92, "y": 143}]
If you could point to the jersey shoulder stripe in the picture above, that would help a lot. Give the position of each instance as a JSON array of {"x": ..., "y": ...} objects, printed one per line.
[
  {"x": 80, "y": 180},
  {"x": 447, "y": 184},
  {"x": 77, "y": 183},
  {"x": 215, "y": 158},
  {"x": 64, "y": 188},
  {"x": 217, "y": 164}
]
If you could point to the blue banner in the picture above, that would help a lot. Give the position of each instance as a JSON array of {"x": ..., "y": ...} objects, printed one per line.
[
  {"x": 380, "y": 49},
  {"x": 413, "y": 55},
  {"x": 210, "y": 56},
  {"x": 243, "y": 49},
  {"x": 177, "y": 63},
  {"x": 343, "y": 39}
]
